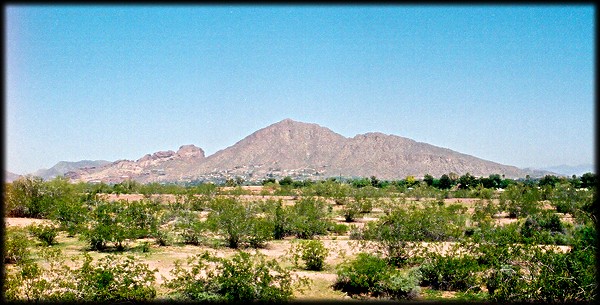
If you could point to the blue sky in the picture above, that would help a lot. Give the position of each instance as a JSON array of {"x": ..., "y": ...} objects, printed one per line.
[{"x": 510, "y": 84}]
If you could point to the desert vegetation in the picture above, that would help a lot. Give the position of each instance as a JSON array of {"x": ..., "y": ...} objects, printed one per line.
[{"x": 452, "y": 237}]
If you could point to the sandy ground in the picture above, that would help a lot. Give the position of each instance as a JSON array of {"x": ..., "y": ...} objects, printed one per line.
[{"x": 23, "y": 222}]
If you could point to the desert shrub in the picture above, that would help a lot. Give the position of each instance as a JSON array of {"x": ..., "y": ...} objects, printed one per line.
[
  {"x": 432, "y": 222},
  {"x": 361, "y": 274},
  {"x": 451, "y": 272},
  {"x": 243, "y": 277},
  {"x": 141, "y": 217},
  {"x": 402, "y": 285},
  {"x": 71, "y": 215},
  {"x": 312, "y": 252},
  {"x": 280, "y": 218},
  {"x": 484, "y": 209},
  {"x": 112, "y": 278},
  {"x": 371, "y": 275},
  {"x": 30, "y": 196},
  {"x": 307, "y": 218},
  {"x": 108, "y": 223},
  {"x": 260, "y": 232},
  {"x": 16, "y": 245},
  {"x": 564, "y": 198},
  {"x": 46, "y": 234},
  {"x": 163, "y": 237},
  {"x": 489, "y": 232},
  {"x": 338, "y": 228},
  {"x": 351, "y": 210},
  {"x": 115, "y": 278},
  {"x": 520, "y": 200},
  {"x": 239, "y": 223},
  {"x": 189, "y": 227},
  {"x": 543, "y": 228},
  {"x": 25, "y": 282}
]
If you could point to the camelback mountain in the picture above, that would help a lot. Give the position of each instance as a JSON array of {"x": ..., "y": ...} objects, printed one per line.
[{"x": 300, "y": 150}]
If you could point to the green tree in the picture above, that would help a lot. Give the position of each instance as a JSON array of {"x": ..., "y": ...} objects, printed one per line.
[
  {"x": 428, "y": 179},
  {"x": 445, "y": 182},
  {"x": 27, "y": 197}
]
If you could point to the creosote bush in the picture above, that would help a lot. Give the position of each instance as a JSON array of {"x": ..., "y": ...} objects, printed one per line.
[
  {"x": 370, "y": 275},
  {"x": 110, "y": 279},
  {"x": 46, "y": 234},
  {"x": 16, "y": 245},
  {"x": 312, "y": 252},
  {"x": 241, "y": 278}
]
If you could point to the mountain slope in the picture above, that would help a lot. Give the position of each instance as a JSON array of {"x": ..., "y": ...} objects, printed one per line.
[
  {"x": 287, "y": 144},
  {"x": 568, "y": 170},
  {"x": 64, "y": 167},
  {"x": 302, "y": 150},
  {"x": 159, "y": 166},
  {"x": 10, "y": 177}
]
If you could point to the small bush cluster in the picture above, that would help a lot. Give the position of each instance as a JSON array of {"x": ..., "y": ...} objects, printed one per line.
[
  {"x": 369, "y": 275},
  {"x": 110, "y": 279},
  {"x": 312, "y": 252},
  {"x": 46, "y": 234},
  {"x": 241, "y": 278},
  {"x": 16, "y": 245}
]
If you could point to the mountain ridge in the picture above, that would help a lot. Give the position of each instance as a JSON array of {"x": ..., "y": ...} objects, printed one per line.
[{"x": 302, "y": 150}]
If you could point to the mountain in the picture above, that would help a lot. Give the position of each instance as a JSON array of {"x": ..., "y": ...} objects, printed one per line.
[
  {"x": 302, "y": 150},
  {"x": 63, "y": 167},
  {"x": 159, "y": 166},
  {"x": 570, "y": 170},
  {"x": 10, "y": 177}
]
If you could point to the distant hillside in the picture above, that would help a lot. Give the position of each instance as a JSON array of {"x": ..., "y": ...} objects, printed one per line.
[
  {"x": 10, "y": 177},
  {"x": 302, "y": 150},
  {"x": 569, "y": 170},
  {"x": 63, "y": 167}
]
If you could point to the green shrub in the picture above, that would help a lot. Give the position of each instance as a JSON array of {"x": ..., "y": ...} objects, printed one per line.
[
  {"x": 351, "y": 210},
  {"x": 402, "y": 285},
  {"x": 163, "y": 237},
  {"x": 308, "y": 218},
  {"x": 312, "y": 252},
  {"x": 243, "y": 277},
  {"x": 111, "y": 279},
  {"x": 239, "y": 223},
  {"x": 16, "y": 245},
  {"x": 432, "y": 222},
  {"x": 370, "y": 275},
  {"x": 281, "y": 221},
  {"x": 107, "y": 224},
  {"x": 115, "y": 278},
  {"x": 361, "y": 274},
  {"x": 44, "y": 233},
  {"x": 338, "y": 228},
  {"x": 260, "y": 232},
  {"x": 451, "y": 272},
  {"x": 189, "y": 227}
]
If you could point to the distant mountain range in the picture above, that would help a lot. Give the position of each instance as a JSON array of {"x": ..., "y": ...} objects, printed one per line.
[
  {"x": 300, "y": 150},
  {"x": 569, "y": 170},
  {"x": 64, "y": 167},
  {"x": 10, "y": 177}
]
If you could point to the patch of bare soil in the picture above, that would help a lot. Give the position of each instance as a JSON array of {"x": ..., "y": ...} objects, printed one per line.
[{"x": 23, "y": 222}]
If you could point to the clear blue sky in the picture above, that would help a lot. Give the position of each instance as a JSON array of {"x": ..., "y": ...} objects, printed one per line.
[{"x": 510, "y": 84}]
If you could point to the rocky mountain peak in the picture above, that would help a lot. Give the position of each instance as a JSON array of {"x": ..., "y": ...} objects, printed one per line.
[{"x": 190, "y": 151}]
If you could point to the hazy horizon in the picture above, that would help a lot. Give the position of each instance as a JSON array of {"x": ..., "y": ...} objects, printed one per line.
[{"x": 508, "y": 84}]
